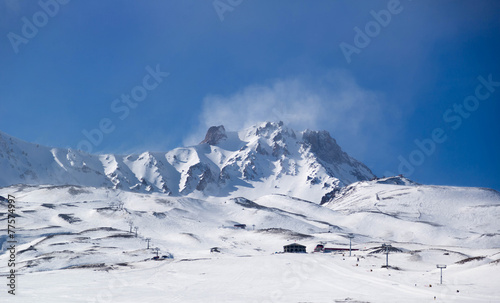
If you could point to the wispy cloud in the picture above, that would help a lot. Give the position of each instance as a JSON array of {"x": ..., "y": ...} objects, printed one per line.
[{"x": 334, "y": 102}]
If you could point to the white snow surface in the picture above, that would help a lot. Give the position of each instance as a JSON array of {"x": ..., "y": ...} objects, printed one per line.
[
  {"x": 75, "y": 245},
  {"x": 84, "y": 222}
]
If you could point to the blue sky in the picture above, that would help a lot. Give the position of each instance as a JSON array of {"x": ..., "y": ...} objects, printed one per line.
[{"x": 419, "y": 70}]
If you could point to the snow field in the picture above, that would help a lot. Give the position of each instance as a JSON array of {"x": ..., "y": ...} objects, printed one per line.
[{"x": 75, "y": 245}]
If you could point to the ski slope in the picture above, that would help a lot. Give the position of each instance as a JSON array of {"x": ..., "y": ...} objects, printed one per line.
[
  {"x": 75, "y": 245},
  {"x": 265, "y": 278}
]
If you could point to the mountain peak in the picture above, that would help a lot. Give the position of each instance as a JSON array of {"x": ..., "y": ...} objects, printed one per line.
[
  {"x": 214, "y": 135},
  {"x": 267, "y": 157},
  {"x": 324, "y": 146}
]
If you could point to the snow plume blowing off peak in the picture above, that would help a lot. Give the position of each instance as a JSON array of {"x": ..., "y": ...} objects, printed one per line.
[
  {"x": 331, "y": 100},
  {"x": 264, "y": 158}
]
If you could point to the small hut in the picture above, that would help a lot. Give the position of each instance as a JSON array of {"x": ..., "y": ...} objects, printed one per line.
[{"x": 294, "y": 248}]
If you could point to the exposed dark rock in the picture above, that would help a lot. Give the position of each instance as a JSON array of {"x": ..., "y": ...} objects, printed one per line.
[
  {"x": 159, "y": 215},
  {"x": 70, "y": 218},
  {"x": 199, "y": 176},
  {"x": 206, "y": 178},
  {"x": 478, "y": 258},
  {"x": 286, "y": 232},
  {"x": 214, "y": 135},
  {"x": 261, "y": 150},
  {"x": 75, "y": 190},
  {"x": 329, "y": 196},
  {"x": 325, "y": 147},
  {"x": 248, "y": 203}
]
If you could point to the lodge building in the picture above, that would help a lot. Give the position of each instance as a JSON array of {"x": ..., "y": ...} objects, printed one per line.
[{"x": 294, "y": 248}]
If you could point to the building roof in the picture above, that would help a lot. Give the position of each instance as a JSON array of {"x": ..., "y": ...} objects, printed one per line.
[{"x": 294, "y": 244}]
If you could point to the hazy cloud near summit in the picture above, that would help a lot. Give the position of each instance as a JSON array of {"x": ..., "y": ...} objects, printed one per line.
[{"x": 334, "y": 102}]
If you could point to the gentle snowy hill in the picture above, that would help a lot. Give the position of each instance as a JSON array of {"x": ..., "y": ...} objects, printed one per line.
[
  {"x": 78, "y": 219},
  {"x": 431, "y": 214},
  {"x": 69, "y": 234},
  {"x": 268, "y": 157}
]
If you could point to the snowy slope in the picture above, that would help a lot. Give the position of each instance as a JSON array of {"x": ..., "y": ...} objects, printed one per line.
[
  {"x": 84, "y": 223},
  {"x": 64, "y": 214},
  {"x": 268, "y": 157},
  {"x": 314, "y": 278},
  {"x": 449, "y": 215},
  {"x": 79, "y": 239}
]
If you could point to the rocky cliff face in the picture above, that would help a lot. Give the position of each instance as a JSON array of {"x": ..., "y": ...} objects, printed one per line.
[
  {"x": 266, "y": 158},
  {"x": 214, "y": 135}
]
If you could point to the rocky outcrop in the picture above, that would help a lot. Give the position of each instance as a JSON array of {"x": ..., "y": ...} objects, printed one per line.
[
  {"x": 214, "y": 135},
  {"x": 324, "y": 147}
]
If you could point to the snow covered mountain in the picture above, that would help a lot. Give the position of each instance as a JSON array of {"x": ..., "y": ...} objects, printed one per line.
[
  {"x": 268, "y": 156},
  {"x": 88, "y": 226}
]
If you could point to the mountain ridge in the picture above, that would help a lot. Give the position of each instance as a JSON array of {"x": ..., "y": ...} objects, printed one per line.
[{"x": 308, "y": 164}]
